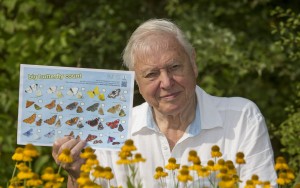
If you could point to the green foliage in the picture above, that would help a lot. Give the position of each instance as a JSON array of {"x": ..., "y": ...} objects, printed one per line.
[{"x": 244, "y": 48}]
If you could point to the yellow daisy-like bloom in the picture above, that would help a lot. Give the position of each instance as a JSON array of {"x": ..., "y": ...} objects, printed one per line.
[
  {"x": 22, "y": 167},
  {"x": 281, "y": 164},
  {"x": 223, "y": 172},
  {"x": 211, "y": 165},
  {"x": 159, "y": 173},
  {"x": 172, "y": 164},
  {"x": 220, "y": 164},
  {"x": 230, "y": 167},
  {"x": 48, "y": 174},
  {"x": 256, "y": 180},
  {"x": 266, "y": 184},
  {"x": 226, "y": 182},
  {"x": 86, "y": 152},
  {"x": 35, "y": 181},
  {"x": 65, "y": 156},
  {"x": 92, "y": 160},
  {"x": 91, "y": 184},
  {"x": 123, "y": 160},
  {"x": 138, "y": 158},
  {"x": 85, "y": 168},
  {"x": 98, "y": 172},
  {"x": 215, "y": 151},
  {"x": 236, "y": 178},
  {"x": 125, "y": 154},
  {"x": 195, "y": 167},
  {"x": 290, "y": 174},
  {"x": 240, "y": 158},
  {"x": 25, "y": 173},
  {"x": 193, "y": 157},
  {"x": 84, "y": 177},
  {"x": 203, "y": 172},
  {"x": 184, "y": 175},
  {"x": 249, "y": 184},
  {"x": 30, "y": 150},
  {"x": 108, "y": 173},
  {"x": 18, "y": 155},
  {"x": 128, "y": 146},
  {"x": 55, "y": 183}
]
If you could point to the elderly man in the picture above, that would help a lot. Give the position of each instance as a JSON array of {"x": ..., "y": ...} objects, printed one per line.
[{"x": 178, "y": 116}]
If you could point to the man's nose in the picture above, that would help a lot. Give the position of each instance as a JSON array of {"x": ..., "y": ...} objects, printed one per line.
[{"x": 166, "y": 80}]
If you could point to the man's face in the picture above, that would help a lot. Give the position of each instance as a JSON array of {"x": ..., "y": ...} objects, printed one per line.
[{"x": 165, "y": 75}]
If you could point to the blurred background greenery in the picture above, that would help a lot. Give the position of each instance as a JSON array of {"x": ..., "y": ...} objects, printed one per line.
[{"x": 247, "y": 48}]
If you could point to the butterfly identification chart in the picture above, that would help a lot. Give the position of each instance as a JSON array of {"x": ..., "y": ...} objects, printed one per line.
[{"x": 90, "y": 104}]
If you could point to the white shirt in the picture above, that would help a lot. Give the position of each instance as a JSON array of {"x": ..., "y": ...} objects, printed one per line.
[{"x": 234, "y": 124}]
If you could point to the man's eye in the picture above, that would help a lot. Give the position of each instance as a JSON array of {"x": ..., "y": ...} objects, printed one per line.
[
  {"x": 151, "y": 75},
  {"x": 175, "y": 67}
]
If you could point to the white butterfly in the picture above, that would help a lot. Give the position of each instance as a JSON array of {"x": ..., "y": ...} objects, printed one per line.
[
  {"x": 34, "y": 88},
  {"x": 51, "y": 89},
  {"x": 74, "y": 91}
]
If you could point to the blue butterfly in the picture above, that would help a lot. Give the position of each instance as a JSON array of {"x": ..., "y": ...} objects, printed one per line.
[
  {"x": 50, "y": 134},
  {"x": 28, "y": 133}
]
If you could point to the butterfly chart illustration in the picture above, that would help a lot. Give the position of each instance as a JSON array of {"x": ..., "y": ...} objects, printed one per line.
[{"x": 90, "y": 104}]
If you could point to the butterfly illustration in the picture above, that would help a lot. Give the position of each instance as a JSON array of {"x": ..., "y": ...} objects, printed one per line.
[
  {"x": 58, "y": 123},
  {"x": 30, "y": 119},
  {"x": 100, "y": 111},
  {"x": 100, "y": 126},
  {"x": 90, "y": 137},
  {"x": 51, "y": 120},
  {"x": 72, "y": 121},
  {"x": 93, "y": 122},
  {"x": 59, "y": 108},
  {"x": 28, "y": 133},
  {"x": 115, "y": 143},
  {"x": 50, "y": 134},
  {"x": 51, "y": 90},
  {"x": 110, "y": 139},
  {"x": 37, "y": 107},
  {"x": 80, "y": 125},
  {"x": 122, "y": 113},
  {"x": 72, "y": 106},
  {"x": 120, "y": 128},
  {"x": 93, "y": 107},
  {"x": 113, "y": 124},
  {"x": 94, "y": 92},
  {"x": 71, "y": 134},
  {"x": 74, "y": 91},
  {"x": 51, "y": 104},
  {"x": 101, "y": 97},
  {"x": 33, "y": 88},
  {"x": 79, "y": 109},
  {"x": 97, "y": 142},
  {"x": 29, "y": 103},
  {"x": 38, "y": 122},
  {"x": 114, "y": 93},
  {"x": 122, "y": 98},
  {"x": 114, "y": 109}
]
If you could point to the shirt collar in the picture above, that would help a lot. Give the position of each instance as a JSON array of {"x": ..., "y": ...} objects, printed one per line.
[{"x": 207, "y": 114}]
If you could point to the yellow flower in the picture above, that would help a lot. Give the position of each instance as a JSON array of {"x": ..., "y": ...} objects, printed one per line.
[
  {"x": 25, "y": 173},
  {"x": 86, "y": 152},
  {"x": 128, "y": 146},
  {"x": 18, "y": 155},
  {"x": 123, "y": 160},
  {"x": 172, "y": 164},
  {"x": 138, "y": 158},
  {"x": 203, "y": 172},
  {"x": 226, "y": 182},
  {"x": 223, "y": 172},
  {"x": 22, "y": 166},
  {"x": 281, "y": 164},
  {"x": 48, "y": 174},
  {"x": 85, "y": 168},
  {"x": 125, "y": 154},
  {"x": 240, "y": 158},
  {"x": 193, "y": 157},
  {"x": 108, "y": 173},
  {"x": 290, "y": 174},
  {"x": 92, "y": 160},
  {"x": 266, "y": 184},
  {"x": 249, "y": 184},
  {"x": 211, "y": 165},
  {"x": 220, "y": 164},
  {"x": 230, "y": 167},
  {"x": 159, "y": 173},
  {"x": 65, "y": 156},
  {"x": 98, "y": 172},
  {"x": 184, "y": 175},
  {"x": 255, "y": 179},
  {"x": 83, "y": 178},
  {"x": 35, "y": 181},
  {"x": 215, "y": 151},
  {"x": 30, "y": 150}
]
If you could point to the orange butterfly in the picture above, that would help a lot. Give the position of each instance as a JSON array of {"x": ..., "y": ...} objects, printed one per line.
[
  {"x": 30, "y": 119},
  {"x": 51, "y": 120},
  {"x": 39, "y": 122},
  {"x": 72, "y": 121},
  {"x": 90, "y": 137},
  {"x": 29, "y": 103},
  {"x": 58, "y": 108},
  {"x": 50, "y": 105}
]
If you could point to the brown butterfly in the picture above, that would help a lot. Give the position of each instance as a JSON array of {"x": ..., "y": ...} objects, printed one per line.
[
  {"x": 39, "y": 122},
  {"x": 79, "y": 109},
  {"x": 71, "y": 134},
  {"x": 72, "y": 121},
  {"x": 30, "y": 119},
  {"x": 90, "y": 137},
  {"x": 58, "y": 123},
  {"x": 51, "y": 120},
  {"x": 72, "y": 106},
  {"x": 29, "y": 103},
  {"x": 59, "y": 108},
  {"x": 100, "y": 111},
  {"x": 50, "y": 105},
  {"x": 114, "y": 109},
  {"x": 37, "y": 107}
]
